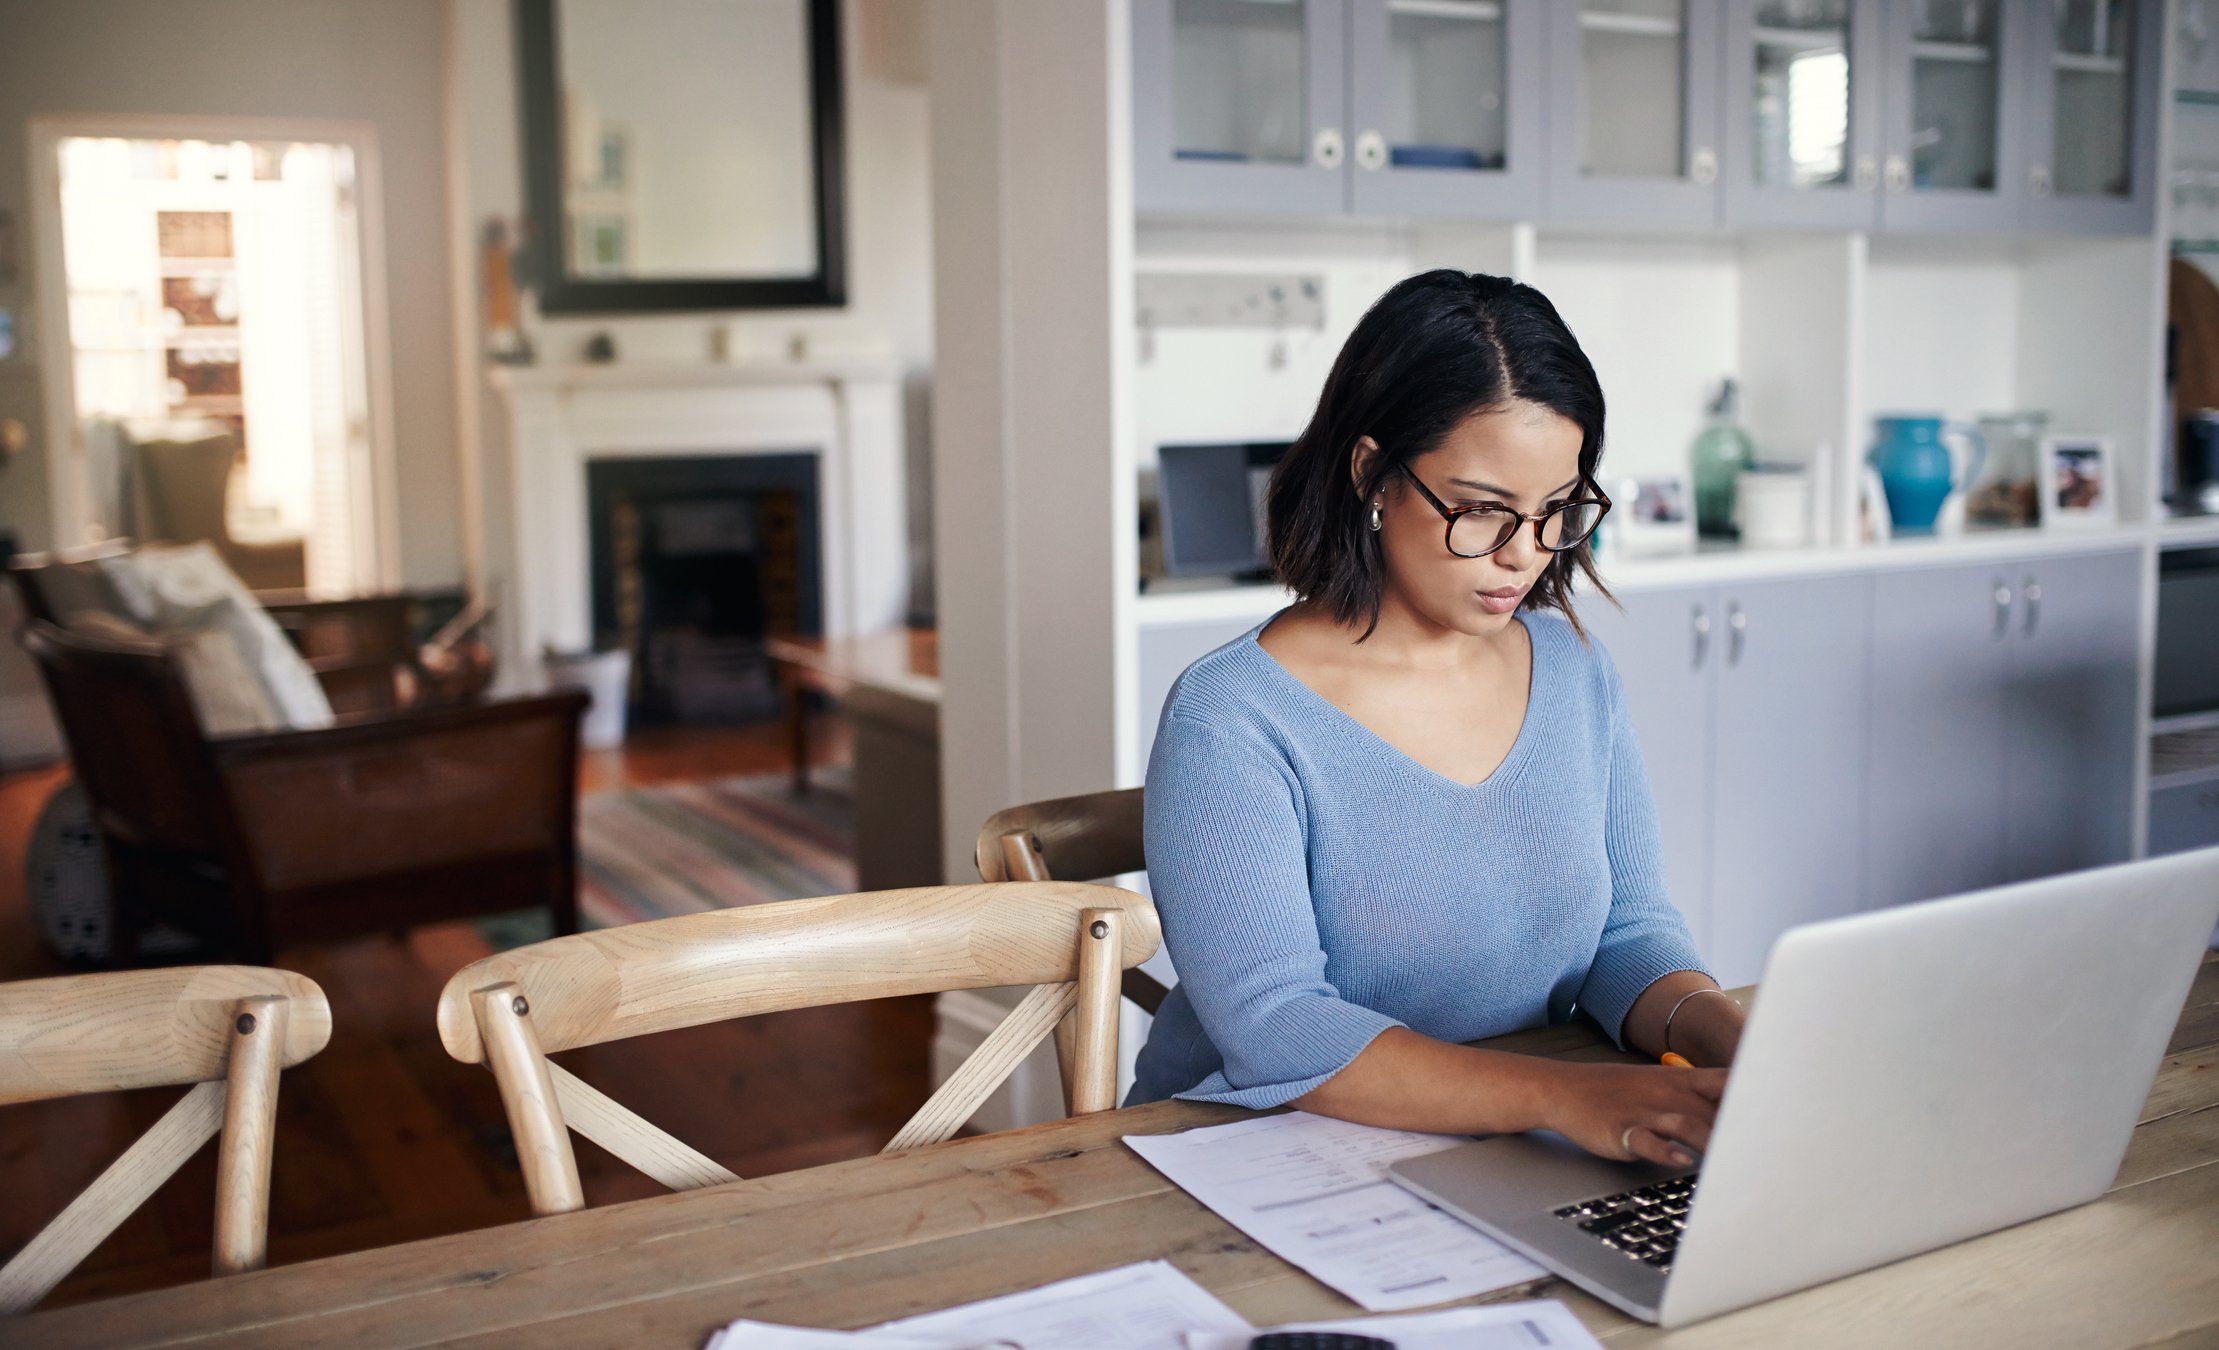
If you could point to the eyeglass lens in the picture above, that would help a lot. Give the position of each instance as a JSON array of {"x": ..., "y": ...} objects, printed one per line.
[{"x": 1477, "y": 533}]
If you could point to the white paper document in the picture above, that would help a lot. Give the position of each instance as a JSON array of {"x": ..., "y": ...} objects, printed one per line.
[
  {"x": 1149, "y": 1306},
  {"x": 1545, "y": 1325},
  {"x": 1314, "y": 1190}
]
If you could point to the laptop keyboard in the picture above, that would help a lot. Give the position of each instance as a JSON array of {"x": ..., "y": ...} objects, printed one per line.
[{"x": 1644, "y": 1224}]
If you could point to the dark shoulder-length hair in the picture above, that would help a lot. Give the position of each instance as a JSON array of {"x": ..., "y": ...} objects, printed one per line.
[{"x": 1432, "y": 351}]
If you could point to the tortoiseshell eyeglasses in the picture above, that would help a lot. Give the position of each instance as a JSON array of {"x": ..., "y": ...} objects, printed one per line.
[{"x": 1476, "y": 531}]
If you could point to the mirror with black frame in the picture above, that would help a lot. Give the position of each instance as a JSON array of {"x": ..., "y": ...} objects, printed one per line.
[{"x": 682, "y": 155}]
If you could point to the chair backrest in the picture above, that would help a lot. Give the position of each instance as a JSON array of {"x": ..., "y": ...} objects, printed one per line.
[
  {"x": 133, "y": 735},
  {"x": 1076, "y": 838},
  {"x": 1072, "y": 838},
  {"x": 186, "y": 483},
  {"x": 226, "y": 1029},
  {"x": 512, "y": 1010}
]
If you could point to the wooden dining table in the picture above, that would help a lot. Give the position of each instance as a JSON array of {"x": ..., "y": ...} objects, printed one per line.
[{"x": 856, "y": 1243}]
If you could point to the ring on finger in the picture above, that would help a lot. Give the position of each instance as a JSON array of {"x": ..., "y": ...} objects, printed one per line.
[{"x": 1625, "y": 1141}]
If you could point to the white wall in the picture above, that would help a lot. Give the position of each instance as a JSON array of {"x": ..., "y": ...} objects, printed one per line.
[
  {"x": 889, "y": 240},
  {"x": 378, "y": 63}
]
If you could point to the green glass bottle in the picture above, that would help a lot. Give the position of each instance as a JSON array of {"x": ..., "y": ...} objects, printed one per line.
[{"x": 1720, "y": 453}]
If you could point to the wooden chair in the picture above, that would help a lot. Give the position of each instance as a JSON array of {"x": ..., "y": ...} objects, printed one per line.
[
  {"x": 227, "y": 1030},
  {"x": 1095, "y": 835},
  {"x": 257, "y": 842},
  {"x": 514, "y": 1009},
  {"x": 1072, "y": 839}
]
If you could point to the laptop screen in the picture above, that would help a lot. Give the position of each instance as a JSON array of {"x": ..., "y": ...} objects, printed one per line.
[{"x": 1212, "y": 505}]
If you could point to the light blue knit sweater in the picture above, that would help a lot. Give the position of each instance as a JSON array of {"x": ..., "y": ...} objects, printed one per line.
[{"x": 1318, "y": 886}]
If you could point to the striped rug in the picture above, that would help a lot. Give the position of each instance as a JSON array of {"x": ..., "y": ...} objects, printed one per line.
[{"x": 648, "y": 853}]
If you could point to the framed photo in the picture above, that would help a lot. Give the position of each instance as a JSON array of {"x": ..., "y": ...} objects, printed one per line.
[
  {"x": 1652, "y": 515},
  {"x": 2078, "y": 483}
]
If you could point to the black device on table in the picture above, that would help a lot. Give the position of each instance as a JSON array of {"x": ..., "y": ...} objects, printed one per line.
[{"x": 1318, "y": 1340}]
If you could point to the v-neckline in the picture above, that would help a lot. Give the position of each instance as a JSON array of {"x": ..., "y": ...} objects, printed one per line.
[{"x": 1504, "y": 771}]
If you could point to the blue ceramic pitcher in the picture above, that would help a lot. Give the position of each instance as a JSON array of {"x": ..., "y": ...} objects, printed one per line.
[{"x": 1917, "y": 471}]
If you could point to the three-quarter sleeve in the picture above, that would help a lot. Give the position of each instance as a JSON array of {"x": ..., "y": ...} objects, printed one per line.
[
  {"x": 1644, "y": 936},
  {"x": 1228, "y": 864}
]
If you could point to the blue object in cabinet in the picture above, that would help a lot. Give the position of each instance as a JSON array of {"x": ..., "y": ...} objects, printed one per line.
[
  {"x": 1240, "y": 106},
  {"x": 1445, "y": 104}
]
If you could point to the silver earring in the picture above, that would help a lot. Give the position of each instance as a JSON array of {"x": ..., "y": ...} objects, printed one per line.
[{"x": 1375, "y": 517}]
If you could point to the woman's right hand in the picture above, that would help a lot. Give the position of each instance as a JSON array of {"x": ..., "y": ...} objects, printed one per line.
[{"x": 1636, "y": 1111}]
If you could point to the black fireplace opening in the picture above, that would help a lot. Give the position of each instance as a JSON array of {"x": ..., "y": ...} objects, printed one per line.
[{"x": 696, "y": 561}]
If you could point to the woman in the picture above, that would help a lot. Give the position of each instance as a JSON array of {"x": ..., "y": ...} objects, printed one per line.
[{"x": 1409, "y": 811}]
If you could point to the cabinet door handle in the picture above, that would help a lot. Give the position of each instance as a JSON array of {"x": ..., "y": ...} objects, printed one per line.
[
  {"x": 1897, "y": 174},
  {"x": 2037, "y": 180},
  {"x": 2032, "y": 590},
  {"x": 1868, "y": 174},
  {"x": 1325, "y": 149},
  {"x": 1702, "y": 166},
  {"x": 2003, "y": 613},
  {"x": 1371, "y": 150},
  {"x": 1737, "y": 632},
  {"x": 1702, "y": 636}
]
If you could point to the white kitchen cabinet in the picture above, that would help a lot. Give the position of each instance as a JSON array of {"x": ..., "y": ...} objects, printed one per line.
[
  {"x": 2003, "y": 723},
  {"x": 1749, "y": 700}
]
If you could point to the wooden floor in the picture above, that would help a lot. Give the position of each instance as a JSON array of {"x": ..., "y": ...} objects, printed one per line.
[{"x": 382, "y": 1138}]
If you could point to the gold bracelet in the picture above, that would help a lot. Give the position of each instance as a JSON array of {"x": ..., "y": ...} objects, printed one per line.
[{"x": 1713, "y": 989}]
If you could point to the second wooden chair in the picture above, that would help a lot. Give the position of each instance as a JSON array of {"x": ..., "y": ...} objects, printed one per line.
[
  {"x": 512, "y": 1010},
  {"x": 227, "y": 1030}
]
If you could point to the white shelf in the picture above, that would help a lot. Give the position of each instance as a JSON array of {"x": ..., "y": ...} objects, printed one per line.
[
  {"x": 2187, "y": 531},
  {"x": 1724, "y": 565},
  {"x": 1630, "y": 25},
  {"x": 1211, "y": 604},
  {"x": 2091, "y": 65},
  {"x": 1478, "y": 11},
  {"x": 1967, "y": 53},
  {"x": 2166, "y": 726}
]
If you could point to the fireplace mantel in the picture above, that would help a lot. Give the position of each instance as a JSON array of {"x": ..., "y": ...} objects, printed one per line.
[{"x": 846, "y": 412}]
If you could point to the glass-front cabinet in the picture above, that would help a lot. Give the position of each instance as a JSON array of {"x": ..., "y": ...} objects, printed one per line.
[
  {"x": 1445, "y": 98},
  {"x": 1802, "y": 86},
  {"x": 1909, "y": 116},
  {"x": 1955, "y": 126},
  {"x": 2098, "y": 66},
  {"x": 1239, "y": 105},
  {"x": 1633, "y": 132}
]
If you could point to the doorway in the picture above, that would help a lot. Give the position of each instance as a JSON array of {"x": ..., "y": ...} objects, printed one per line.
[{"x": 212, "y": 355}]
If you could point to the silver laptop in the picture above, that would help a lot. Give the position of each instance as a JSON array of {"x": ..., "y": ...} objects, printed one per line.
[{"x": 1908, "y": 1078}]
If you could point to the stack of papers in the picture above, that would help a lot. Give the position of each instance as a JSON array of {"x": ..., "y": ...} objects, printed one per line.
[
  {"x": 1152, "y": 1306},
  {"x": 1149, "y": 1306},
  {"x": 1314, "y": 1191}
]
